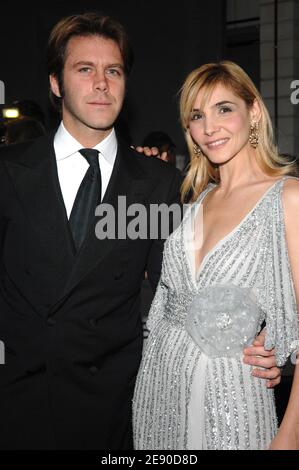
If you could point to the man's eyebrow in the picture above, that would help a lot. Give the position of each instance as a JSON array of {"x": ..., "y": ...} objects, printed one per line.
[
  {"x": 117, "y": 64},
  {"x": 83, "y": 62},
  {"x": 87, "y": 62}
]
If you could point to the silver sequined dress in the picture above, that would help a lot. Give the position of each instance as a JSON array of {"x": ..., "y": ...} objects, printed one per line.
[{"x": 185, "y": 398}]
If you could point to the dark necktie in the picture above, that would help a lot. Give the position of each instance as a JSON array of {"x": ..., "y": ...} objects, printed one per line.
[{"x": 87, "y": 198}]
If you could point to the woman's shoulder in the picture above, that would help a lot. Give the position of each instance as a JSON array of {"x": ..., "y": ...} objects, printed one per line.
[
  {"x": 191, "y": 205},
  {"x": 203, "y": 193},
  {"x": 290, "y": 198},
  {"x": 291, "y": 190}
]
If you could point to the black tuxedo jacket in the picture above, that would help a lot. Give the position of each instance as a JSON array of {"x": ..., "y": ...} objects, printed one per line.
[{"x": 71, "y": 323}]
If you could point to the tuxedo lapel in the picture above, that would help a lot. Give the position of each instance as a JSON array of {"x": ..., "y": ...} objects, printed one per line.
[
  {"x": 34, "y": 175},
  {"x": 127, "y": 180}
]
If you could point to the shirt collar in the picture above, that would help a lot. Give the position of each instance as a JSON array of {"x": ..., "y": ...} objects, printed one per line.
[{"x": 66, "y": 145}]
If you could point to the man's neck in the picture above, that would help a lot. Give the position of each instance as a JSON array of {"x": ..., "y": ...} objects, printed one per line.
[{"x": 87, "y": 137}]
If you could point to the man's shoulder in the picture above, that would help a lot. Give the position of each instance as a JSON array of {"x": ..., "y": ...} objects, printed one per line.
[{"x": 153, "y": 166}]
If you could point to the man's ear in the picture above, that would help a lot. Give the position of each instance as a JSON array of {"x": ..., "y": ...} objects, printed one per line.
[
  {"x": 54, "y": 85},
  {"x": 255, "y": 112}
]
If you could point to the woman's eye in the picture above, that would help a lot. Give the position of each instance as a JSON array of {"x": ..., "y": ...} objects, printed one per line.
[
  {"x": 224, "y": 109},
  {"x": 196, "y": 117}
]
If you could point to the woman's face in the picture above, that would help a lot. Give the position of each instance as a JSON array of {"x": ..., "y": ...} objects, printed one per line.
[{"x": 221, "y": 128}]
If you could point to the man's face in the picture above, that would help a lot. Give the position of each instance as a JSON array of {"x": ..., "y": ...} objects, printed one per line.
[{"x": 94, "y": 85}]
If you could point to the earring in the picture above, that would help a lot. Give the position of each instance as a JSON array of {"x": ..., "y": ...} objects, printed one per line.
[
  {"x": 254, "y": 134},
  {"x": 197, "y": 150}
]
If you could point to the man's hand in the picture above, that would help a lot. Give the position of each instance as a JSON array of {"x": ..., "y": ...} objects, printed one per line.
[
  {"x": 151, "y": 152},
  {"x": 256, "y": 355}
]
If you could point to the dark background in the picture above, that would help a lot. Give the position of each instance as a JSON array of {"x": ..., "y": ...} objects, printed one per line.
[{"x": 168, "y": 40}]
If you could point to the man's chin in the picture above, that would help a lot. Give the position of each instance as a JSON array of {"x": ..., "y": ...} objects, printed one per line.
[{"x": 96, "y": 126}]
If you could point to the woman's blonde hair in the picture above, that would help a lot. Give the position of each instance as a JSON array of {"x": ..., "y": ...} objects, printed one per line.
[{"x": 232, "y": 76}]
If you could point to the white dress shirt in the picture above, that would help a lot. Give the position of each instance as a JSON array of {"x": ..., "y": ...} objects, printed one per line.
[{"x": 72, "y": 166}]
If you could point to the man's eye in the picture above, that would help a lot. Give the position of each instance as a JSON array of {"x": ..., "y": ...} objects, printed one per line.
[
  {"x": 84, "y": 69},
  {"x": 115, "y": 72}
]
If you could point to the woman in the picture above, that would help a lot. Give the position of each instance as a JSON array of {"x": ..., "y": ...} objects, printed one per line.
[{"x": 231, "y": 265}]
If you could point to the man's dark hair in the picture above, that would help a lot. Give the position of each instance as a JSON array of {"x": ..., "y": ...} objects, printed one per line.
[{"x": 86, "y": 24}]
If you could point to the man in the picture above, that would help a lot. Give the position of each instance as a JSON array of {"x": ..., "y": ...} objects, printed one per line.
[{"x": 69, "y": 301}]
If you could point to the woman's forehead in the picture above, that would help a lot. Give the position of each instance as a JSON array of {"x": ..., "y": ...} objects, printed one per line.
[{"x": 214, "y": 92}]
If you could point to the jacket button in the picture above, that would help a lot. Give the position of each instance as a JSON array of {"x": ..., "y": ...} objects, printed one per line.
[
  {"x": 51, "y": 321},
  {"x": 93, "y": 370}
]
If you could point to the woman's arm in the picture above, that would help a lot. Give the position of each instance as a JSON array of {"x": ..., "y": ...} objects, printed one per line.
[{"x": 287, "y": 437}]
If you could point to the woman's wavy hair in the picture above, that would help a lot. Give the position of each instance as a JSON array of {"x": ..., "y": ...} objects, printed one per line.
[{"x": 200, "y": 170}]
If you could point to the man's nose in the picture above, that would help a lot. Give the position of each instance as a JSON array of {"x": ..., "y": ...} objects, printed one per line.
[{"x": 100, "y": 81}]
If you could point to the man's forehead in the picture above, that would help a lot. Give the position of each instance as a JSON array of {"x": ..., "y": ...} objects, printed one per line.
[{"x": 81, "y": 47}]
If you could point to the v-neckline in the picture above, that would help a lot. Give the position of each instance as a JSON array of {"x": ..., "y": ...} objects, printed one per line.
[{"x": 195, "y": 273}]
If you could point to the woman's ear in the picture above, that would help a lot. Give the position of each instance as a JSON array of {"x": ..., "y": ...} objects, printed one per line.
[{"x": 255, "y": 112}]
